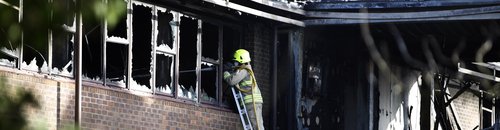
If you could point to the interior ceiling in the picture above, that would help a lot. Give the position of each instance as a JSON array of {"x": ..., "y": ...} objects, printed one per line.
[{"x": 449, "y": 35}]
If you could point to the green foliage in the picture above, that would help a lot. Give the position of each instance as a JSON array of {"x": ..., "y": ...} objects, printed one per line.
[{"x": 13, "y": 103}]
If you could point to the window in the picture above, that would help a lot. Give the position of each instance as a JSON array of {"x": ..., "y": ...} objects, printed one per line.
[
  {"x": 62, "y": 36},
  {"x": 188, "y": 53},
  {"x": 142, "y": 35},
  {"x": 165, "y": 51},
  {"x": 9, "y": 44},
  {"x": 35, "y": 37},
  {"x": 92, "y": 49},
  {"x": 210, "y": 63},
  {"x": 117, "y": 53}
]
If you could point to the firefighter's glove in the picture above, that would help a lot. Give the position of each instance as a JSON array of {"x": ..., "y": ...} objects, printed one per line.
[
  {"x": 228, "y": 66},
  {"x": 226, "y": 74}
]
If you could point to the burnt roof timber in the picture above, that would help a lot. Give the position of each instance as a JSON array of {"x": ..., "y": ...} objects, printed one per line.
[
  {"x": 404, "y": 15},
  {"x": 395, "y": 4},
  {"x": 272, "y": 4},
  {"x": 256, "y": 12},
  {"x": 489, "y": 16},
  {"x": 200, "y": 8}
]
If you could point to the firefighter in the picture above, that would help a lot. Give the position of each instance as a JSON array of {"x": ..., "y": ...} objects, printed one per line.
[{"x": 241, "y": 76}]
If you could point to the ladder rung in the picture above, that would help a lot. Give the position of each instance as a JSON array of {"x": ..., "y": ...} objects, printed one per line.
[
  {"x": 242, "y": 111},
  {"x": 487, "y": 109}
]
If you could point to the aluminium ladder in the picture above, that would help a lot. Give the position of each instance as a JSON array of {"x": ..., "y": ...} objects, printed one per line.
[{"x": 242, "y": 110}]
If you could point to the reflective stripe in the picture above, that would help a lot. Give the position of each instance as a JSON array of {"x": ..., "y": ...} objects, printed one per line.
[
  {"x": 258, "y": 98},
  {"x": 246, "y": 83},
  {"x": 226, "y": 75}
]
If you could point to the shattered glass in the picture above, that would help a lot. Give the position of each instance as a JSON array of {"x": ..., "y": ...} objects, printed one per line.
[
  {"x": 166, "y": 32},
  {"x": 209, "y": 82},
  {"x": 142, "y": 53},
  {"x": 35, "y": 38},
  {"x": 116, "y": 64},
  {"x": 188, "y": 54},
  {"x": 164, "y": 73}
]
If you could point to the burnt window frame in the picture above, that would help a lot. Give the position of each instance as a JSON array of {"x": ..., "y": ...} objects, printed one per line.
[
  {"x": 216, "y": 62},
  {"x": 175, "y": 26},
  {"x": 134, "y": 85},
  {"x": 198, "y": 57}
]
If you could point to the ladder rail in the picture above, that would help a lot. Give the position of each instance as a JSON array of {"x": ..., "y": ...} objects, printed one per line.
[{"x": 242, "y": 110}]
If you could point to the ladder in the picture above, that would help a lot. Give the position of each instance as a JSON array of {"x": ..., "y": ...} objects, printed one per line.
[{"x": 242, "y": 110}]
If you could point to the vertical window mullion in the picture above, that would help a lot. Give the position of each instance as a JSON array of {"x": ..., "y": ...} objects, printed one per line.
[
  {"x": 21, "y": 44},
  {"x": 103, "y": 50},
  {"x": 153, "y": 44},
  {"x": 176, "y": 86},
  {"x": 50, "y": 38},
  {"x": 198, "y": 61},
  {"x": 219, "y": 72},
  {"x": 129, "y": 39}
]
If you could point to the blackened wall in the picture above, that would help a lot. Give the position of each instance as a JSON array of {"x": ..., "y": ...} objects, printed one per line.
[{"x": 342, "y": 101}]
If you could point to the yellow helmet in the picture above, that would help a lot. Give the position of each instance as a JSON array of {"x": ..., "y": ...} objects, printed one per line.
[{"x": 242, "y": 56}]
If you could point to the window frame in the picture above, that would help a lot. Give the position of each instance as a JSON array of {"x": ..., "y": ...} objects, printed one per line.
[
  {"x": 67, "y": 30},
  {"x": 174, "y": 52},
  {"x": 120, "y": 41},
  {"x": 218, "y": 63}
]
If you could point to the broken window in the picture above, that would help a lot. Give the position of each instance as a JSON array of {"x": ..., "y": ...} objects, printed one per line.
[
  {"x": 164, "y": 73},
  {"x": 119, "y": 31},
  {"x": 210, "y": 62},
  {"x": 117, "y": 52},
  {"x": 210, "y": 42},
  {"x": 35, "y": 37},
  {"x": 92, "y": 44},
  {"x": 63, "y": 38},
  {"x": 9, "y": 42},
  {"x": 116, "y": 64},
  {"x": 166, "y": 30},
  {"x": 188, "y": 53},
  {"x": 165, "y": 51},
  {"x": 209, "y": 82},
  {"x": 142, "y": 24}
]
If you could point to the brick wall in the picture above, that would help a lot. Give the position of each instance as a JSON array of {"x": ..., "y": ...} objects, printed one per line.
[
  {"x": 258, "y": 41},
  {"x": 112, "y": 108},
  {"x": 467, "y": 108}
]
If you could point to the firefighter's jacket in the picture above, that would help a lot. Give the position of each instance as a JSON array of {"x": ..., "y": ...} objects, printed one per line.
[{"x": 241, "y": 78}]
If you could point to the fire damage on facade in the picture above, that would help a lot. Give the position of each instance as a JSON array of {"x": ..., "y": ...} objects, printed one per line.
[{"x": 320, "y": 64}]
